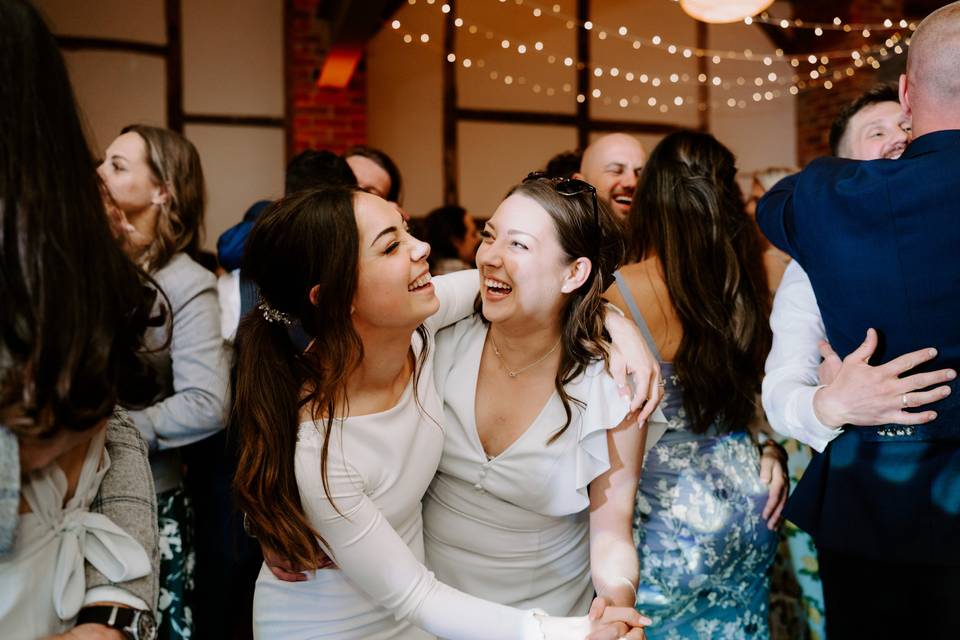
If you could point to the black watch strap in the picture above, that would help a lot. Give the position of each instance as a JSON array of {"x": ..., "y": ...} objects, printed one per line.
[{"x": 120, "y": 618}]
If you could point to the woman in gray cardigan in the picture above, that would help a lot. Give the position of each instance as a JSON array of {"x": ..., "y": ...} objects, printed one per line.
[{"x": 155, "y": 184}]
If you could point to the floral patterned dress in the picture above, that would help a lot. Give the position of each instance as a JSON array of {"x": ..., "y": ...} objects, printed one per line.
[{"x": 704, "y": 547}]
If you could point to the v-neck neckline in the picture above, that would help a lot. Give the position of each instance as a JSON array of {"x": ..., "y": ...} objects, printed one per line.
[{"x": 475, "y": 358}]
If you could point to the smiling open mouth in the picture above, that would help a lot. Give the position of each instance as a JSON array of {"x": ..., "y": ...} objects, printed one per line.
[
  {"x": 496, "y": 287},
  {"x": 420, "y": 283},
  {"x": 623, "y": 200}
]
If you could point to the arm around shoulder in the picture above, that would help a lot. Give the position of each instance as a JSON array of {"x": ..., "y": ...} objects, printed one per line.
[{"x": 457, "y": 292}]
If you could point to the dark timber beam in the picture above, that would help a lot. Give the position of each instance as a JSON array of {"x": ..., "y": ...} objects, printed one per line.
[
  {"x": 174, "y": 66},
  {"x": 288, "y": 78},
  {"x": 541, "y": 118},
  {"x": 583, "y": 76},
  {"x": 231, "y": 120},
  {"x": 75, "y": 43},
  {"x": 451, "y": 192}
]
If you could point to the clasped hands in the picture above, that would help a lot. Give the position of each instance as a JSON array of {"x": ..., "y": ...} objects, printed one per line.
[{"x": 605, "y": 621}]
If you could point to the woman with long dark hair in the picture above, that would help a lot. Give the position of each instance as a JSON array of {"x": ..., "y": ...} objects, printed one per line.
[
  {"x": 338, "y": 443},
  {"x": 72, "y": 319},
  {"x": 154, "y": 184},
  {"x": 697, "y": 289}
]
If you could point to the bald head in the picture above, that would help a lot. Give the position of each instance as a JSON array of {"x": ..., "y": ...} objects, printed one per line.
[
  {"x": 612, "y": 164},
  {"x": 931, "y": 89}
]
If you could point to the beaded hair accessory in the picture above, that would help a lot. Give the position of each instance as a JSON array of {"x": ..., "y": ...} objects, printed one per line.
[{"x": 273, "y": 315}]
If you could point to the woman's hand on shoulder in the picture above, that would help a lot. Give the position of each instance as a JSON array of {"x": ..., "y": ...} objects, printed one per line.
[{"x": 632, "y": 361}]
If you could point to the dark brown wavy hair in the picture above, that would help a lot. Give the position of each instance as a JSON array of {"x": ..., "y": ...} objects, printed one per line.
[
  {"x": 688, "y": 212},
  {"x": 309, "y": 238},
  {"x": 581, "y": 235},
  {"x": 73, "y": 308}
]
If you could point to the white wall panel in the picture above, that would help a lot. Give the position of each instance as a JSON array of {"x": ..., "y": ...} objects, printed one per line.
[
  {"x": 241, "y": 165},
  {"x": 115, "y": 89},
  {"x": 233, "y": 57},
  {"x": 137, "y": 20},
  {"x": 494, "y": 157}
]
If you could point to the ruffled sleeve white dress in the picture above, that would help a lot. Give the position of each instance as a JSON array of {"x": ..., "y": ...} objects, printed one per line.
[
  {"x": 379, "y": 468},
  {"x": 514, "y": 528}
]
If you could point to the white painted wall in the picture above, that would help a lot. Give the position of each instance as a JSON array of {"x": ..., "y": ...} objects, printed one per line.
[{"x": 232, "y": 65}]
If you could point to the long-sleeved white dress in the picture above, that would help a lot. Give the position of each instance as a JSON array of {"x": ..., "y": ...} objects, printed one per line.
[{"x": 379, "y": 468}]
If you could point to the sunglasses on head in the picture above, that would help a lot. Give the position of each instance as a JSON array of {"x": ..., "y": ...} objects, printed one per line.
[{"x": 570, "y": 187}]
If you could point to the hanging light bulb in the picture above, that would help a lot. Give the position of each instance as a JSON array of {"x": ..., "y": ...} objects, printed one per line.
[{"x": 720, "y": 11}]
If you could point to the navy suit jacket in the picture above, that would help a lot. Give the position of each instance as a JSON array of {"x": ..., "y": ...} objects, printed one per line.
[{"x": 880, "y": 241}]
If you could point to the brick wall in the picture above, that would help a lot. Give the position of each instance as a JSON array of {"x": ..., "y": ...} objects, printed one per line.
[
  {"x": 817, "y": 107},
  {"x": 333, "y": 119}
]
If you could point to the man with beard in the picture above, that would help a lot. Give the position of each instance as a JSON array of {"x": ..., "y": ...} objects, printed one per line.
[{"x": 611, "y": 164}]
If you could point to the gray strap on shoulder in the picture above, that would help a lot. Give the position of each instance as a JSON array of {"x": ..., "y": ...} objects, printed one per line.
[{"x": 635, "y": 312}]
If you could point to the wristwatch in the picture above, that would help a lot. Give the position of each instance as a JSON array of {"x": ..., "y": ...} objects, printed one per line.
[{"x": 134, "y": 624}]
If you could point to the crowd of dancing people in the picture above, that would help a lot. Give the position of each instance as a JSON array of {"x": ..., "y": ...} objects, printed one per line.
[{"x": 579, "y": 416}]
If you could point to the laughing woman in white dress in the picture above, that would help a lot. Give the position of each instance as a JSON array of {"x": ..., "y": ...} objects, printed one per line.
[
  {"x": 540, "y": 465},
  {"x": 338, "y": 443}
]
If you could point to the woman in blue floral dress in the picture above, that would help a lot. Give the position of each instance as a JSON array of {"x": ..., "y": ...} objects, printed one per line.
[{"x": 704, "y": 517}]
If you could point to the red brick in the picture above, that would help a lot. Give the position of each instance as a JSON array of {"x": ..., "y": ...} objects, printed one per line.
[{"x": 321, "y": 118}]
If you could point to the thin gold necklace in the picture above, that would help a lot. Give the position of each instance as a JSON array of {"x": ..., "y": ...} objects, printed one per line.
[{"x": 513, "y": 373}]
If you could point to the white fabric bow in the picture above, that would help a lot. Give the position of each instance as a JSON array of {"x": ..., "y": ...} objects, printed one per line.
[
  {"x": 93, "y": 537},
  {"x": 80, "y": 534}
]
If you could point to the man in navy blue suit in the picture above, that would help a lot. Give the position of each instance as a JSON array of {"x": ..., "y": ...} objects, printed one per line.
[{"x": 880, "y": 242}]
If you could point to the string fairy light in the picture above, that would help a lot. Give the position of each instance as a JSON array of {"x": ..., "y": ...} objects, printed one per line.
[
  {"x": 816, "y": 78},
  {"x": 821, "y": 76},
  {"x": 674, "y": 48},
  {"x": 816, "y": 61},
  {"x": 863, "y": 28}
]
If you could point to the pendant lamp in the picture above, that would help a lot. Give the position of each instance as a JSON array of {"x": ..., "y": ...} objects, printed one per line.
[{"x": 719, "y": 11}]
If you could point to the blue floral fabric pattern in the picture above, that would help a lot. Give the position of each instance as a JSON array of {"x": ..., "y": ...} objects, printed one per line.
[{"x": 704, "y": 548}]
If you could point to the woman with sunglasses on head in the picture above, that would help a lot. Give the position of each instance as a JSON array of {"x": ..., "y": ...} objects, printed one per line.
[
  {"x": 338, "y": 443},
  {"x": 535, "y": 491},
  {"x": 697, "y": 290}
]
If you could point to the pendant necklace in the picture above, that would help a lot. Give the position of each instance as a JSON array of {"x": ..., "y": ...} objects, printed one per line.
[{"x": 513, "y": 373}]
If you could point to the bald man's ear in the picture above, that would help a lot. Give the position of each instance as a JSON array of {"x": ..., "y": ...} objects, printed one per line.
[
  {"x": 905, "y": 95},
  {"x": 579, "y": 176}
]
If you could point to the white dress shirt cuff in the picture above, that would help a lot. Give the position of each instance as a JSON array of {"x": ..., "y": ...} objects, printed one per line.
[
  {"x": 818, "y": 435},
  {"x": 108, "y": 593}
]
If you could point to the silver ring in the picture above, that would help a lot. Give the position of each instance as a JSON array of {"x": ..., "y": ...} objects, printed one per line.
[{"x": 903, "y": 401}]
